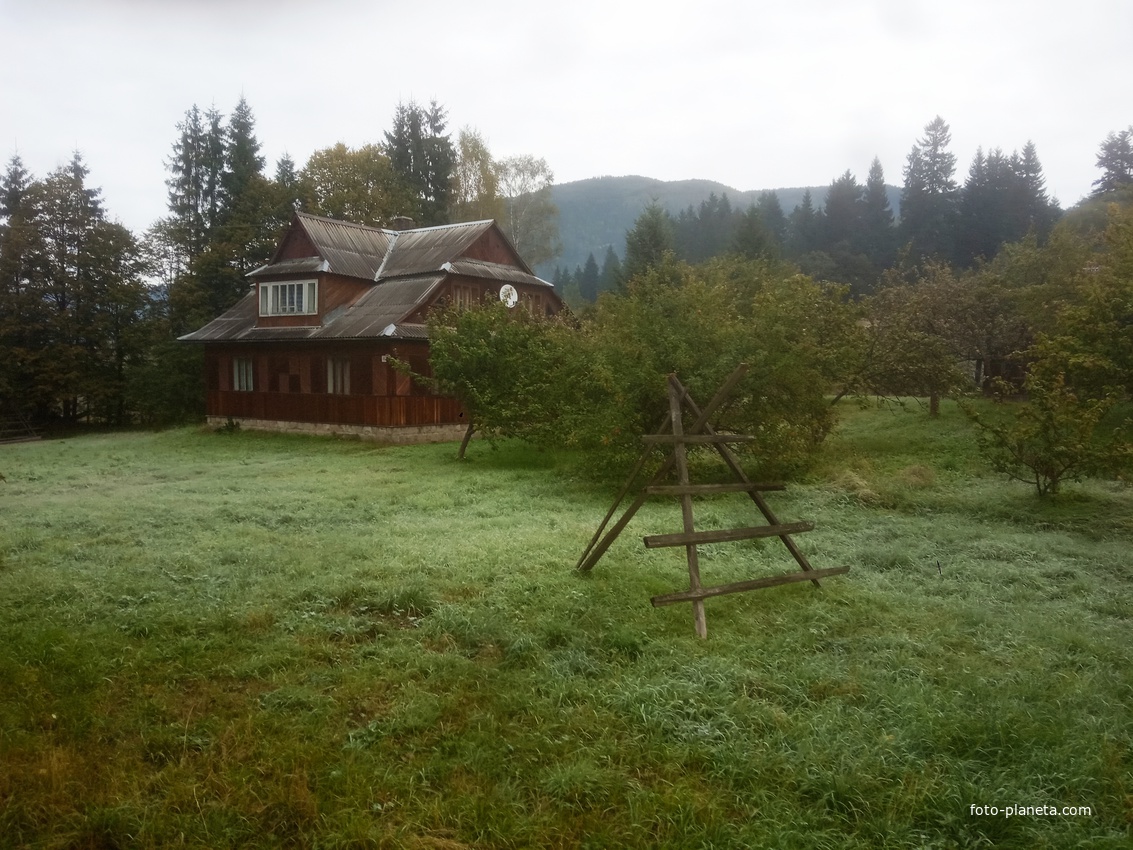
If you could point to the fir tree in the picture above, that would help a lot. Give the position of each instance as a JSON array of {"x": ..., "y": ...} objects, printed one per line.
[{"x": 929, "y": 197}]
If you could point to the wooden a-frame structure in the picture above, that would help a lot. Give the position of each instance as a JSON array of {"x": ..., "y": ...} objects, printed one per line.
[{"x": 701, "y": 433}]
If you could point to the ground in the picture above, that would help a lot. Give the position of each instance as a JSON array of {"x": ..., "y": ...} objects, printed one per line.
[{"x": 241, "y": 640}]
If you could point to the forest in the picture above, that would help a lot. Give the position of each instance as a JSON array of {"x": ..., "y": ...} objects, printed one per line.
[{"x": 90, "y": 312}]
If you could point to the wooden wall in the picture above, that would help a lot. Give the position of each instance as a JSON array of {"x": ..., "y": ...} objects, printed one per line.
[{"x": 291, "y": 385}]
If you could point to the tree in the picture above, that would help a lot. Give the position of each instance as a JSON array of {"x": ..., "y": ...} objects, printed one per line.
[
  {"x": 752, "y": 239},
  {"x": 651, "y": 239},
  {"x": 842, "y": 221},
  {"x": 242, "y": 160},
  {"x": 359, "y": 186},
  {"x": 928, "y": 199},
  {"x": 772, "y": 218},
  {"x": 422, "y": 155},
  {"x": 22, "y": 315},
  {"x": 877, "y": 218},
  {"x": 83, "y": 301},
  {"x": 195, "y": 181},
  {"x": 1081, "y": 362},
  {"x": 476, "y": 180},
  {"x": 1035, "y": 208},
  {"x": 588, "y": 279},
  {"x": 915, "y": 337},
  {"x": 1051, "y": 438},
  {"x": 803, "y": 228},
  {"x": 701, "y": 322},
  {"x": 1115, "y": 159},
  {"x": 611, "y": 272},
  {"x": 504, "y": 367},
  {"x": 531, "y": 219}
]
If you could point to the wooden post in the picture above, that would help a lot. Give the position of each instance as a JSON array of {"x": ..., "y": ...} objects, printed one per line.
[{"x": 679, "y": 453}]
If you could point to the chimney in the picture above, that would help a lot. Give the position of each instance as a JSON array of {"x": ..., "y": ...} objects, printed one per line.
[{"x": 402, "y": 222}]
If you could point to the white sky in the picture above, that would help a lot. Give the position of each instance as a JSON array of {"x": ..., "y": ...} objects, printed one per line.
[{"x": 756, "y": 94}]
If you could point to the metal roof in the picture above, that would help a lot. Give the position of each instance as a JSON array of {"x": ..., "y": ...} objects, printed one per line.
[
  {"x": 378, "y": 313},
  {"x": 349, "y": 249},
  {"x": 493, "y": 271},
  {"x": 308, "y": 265},
  {"x": 429, "y": 248},
  {"x": 406, "y": 267}
]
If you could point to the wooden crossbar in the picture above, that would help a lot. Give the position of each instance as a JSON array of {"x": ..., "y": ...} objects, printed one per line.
[
  {"x": 725, "y": 535},
  {"x": 597, "y": 547},
  {"x": 740, "y": 586},
  {"x": 708, "y": 489}
]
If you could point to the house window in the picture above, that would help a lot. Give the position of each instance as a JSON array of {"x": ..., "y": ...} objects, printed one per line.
[
  {"x": 242, "y": 374},
  {"x": 338, "y": 376},
  {"x": 292, "y": 298}
]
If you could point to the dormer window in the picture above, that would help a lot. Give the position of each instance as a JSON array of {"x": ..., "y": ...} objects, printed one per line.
[{"x": 294, "y": 298}]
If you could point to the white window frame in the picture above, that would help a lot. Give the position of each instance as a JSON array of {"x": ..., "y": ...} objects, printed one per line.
[
  {"x": 289, "y": 298},
  {"x": 338, "y": 375},
  {"x": 243, "y": 374}
]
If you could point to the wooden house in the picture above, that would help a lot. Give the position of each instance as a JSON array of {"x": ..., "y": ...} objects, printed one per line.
[{"x": 308, "y": 348}]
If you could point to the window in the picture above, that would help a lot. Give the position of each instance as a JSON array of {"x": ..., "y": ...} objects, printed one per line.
[
  {"x": 285, "y": 299},
  {"x": 242, "y": 374},
  {"x": 338, "y": 376}
]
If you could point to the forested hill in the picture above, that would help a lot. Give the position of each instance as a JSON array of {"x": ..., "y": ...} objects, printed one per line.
[{"x": 596, "y": 213}]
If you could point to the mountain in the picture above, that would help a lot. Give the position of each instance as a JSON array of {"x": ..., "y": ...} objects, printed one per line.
[{"x": 595, "y": 214}]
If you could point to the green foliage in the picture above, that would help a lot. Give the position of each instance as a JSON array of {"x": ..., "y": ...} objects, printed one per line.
[
  {"x": 356, "y": 185},
  {"x": 1115, "y": 159},
  {"x": 929, "y": 197},
  {"x": 476, "y": 180},
  {"x": 502, "y": 365},
  {"x": 1051, "y": 438},
  {"x": 648, "y": 242},
  {"x": 423, "y": 157},
  {"x": 600, "y": 386}
]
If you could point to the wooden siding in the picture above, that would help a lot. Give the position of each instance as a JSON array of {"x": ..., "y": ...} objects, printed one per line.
[
  {"x": 296, "y": 246},
  {"x": 290, "y": 384},
  {"x": 491, "y": 248},
  {"x": 535, "y": 299}
]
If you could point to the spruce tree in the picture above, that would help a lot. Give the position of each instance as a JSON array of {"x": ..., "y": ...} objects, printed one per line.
[
  {"x": 611, "y": 272},
  {"x": 773, "y": 219},
  {"x": 588, "y": 279},
  {"x": 930, "y": 195},
  {"x": 422, "y": 154},
  {"x": 1115, "y": 159},
  {"x": 647, "y": 243},
  {"x": 877, "y": 218}
]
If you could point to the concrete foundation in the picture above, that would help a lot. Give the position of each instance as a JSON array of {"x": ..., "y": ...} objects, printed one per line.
[{"x": 407, "y": 434}]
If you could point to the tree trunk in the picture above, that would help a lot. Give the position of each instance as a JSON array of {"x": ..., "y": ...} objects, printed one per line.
[
  {"x": 934, "y": 404},
  {"x": 467, "y": 438}
]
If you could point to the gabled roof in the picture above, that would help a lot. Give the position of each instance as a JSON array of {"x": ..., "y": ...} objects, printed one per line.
[
  {"x": 378, "y": 313},
  {"x": 406, "y": 267},
  {"x": 373, "y": 253}
]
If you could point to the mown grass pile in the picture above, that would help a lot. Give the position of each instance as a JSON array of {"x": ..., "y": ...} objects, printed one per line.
[{"x": 244, "y": 640}]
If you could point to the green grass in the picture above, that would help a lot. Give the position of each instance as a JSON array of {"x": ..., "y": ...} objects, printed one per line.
[{"x": 246, "y": 640}]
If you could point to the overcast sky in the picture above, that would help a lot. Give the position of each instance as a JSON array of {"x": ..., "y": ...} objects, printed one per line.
[{"x": 756, "y": 95}]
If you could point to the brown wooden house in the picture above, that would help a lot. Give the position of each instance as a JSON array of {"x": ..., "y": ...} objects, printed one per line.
[{"x": 308, "y": 348}]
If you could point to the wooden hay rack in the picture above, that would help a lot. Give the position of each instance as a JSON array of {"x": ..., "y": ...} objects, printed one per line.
[{"x": 701, "y": 433}]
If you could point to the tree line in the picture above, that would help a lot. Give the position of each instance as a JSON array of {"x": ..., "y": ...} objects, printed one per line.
[
  {"x": 853, "y": 235},
  {"x": 90, "y": 312},
  {"x": 1045, "y": 318}
]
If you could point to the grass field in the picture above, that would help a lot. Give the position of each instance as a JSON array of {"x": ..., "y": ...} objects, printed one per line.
[{"x": 242, "y": 640}]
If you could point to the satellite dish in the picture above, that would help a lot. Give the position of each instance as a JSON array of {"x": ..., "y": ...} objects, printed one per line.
[{"x": 508, "y": 295}]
